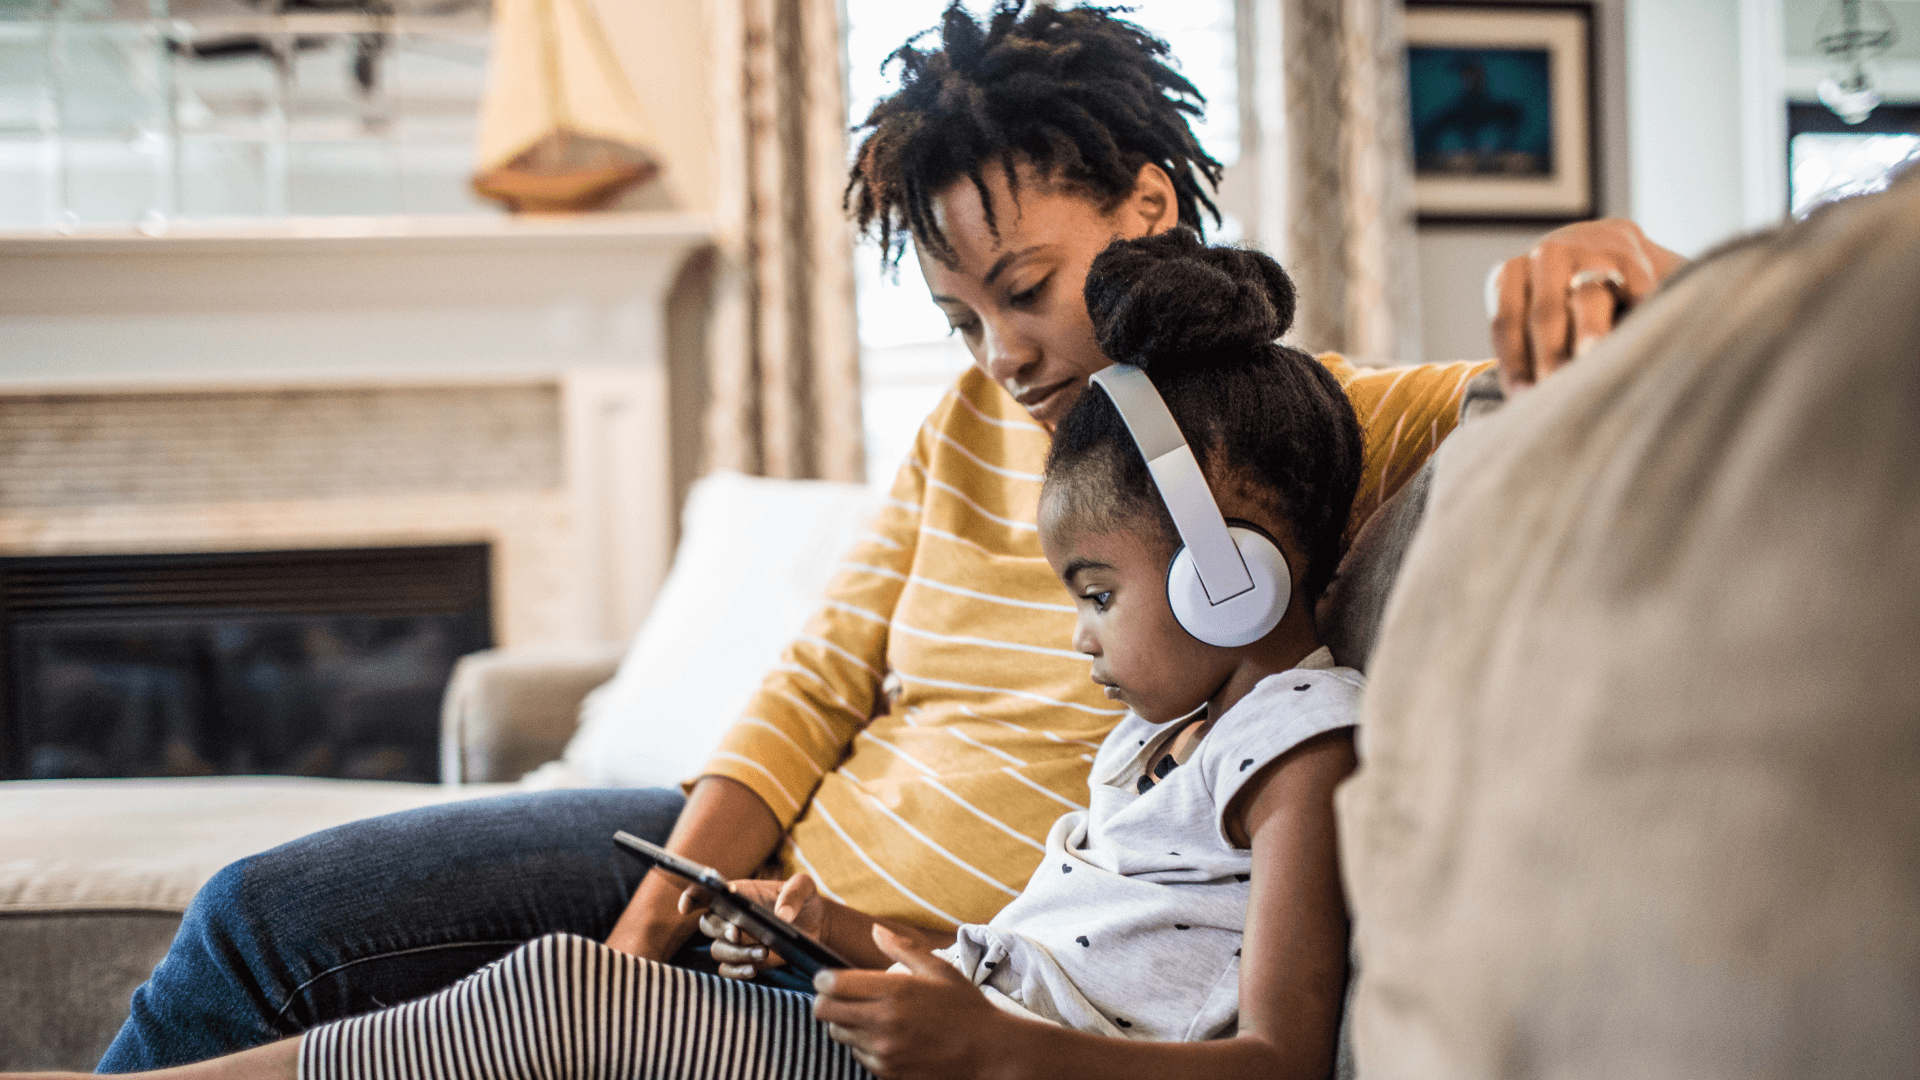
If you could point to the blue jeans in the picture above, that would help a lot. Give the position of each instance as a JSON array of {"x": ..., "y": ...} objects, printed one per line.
[{"x": 385, "y": 910}]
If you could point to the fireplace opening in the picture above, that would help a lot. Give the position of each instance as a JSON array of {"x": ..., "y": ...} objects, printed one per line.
[{"x": 305, "y": 663}]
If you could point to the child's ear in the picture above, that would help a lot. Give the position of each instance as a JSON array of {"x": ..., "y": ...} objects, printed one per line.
[{"x": 1283, "y": 539}]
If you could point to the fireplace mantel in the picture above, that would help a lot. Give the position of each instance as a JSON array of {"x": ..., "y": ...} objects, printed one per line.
[
  {"x": 330, "y": 328},
  {"x": 328, "y": 299}
]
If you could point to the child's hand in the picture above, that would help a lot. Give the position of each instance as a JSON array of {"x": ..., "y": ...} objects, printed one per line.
[
  {"x": 739, "y": 954},
  {"x": 930, "y": 1022}
]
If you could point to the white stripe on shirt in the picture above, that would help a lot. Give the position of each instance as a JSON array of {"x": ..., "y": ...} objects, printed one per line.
[
  {"x": 959, "y": 590},
  {"x": 922, "y": 837},
  {"x": 827, "y": 816},
  {"x": 1026, "y": 695},
  {"x": 957, "y": 639}
]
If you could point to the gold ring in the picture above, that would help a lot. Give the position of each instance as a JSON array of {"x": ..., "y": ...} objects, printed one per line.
[{"x": 1614, "y": 280}]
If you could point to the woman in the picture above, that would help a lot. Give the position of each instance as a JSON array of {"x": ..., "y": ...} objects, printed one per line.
[{"x": 915, "y": 744}]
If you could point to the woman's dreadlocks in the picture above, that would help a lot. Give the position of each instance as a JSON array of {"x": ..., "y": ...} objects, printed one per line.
[{"x": 1083, "y": 96}]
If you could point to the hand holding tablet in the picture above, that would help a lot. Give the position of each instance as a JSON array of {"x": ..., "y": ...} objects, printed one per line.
[{"x": 802, "y": 952}]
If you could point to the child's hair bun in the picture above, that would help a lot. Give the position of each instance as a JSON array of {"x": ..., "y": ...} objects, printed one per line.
[{"x": 1169, "y": 297}]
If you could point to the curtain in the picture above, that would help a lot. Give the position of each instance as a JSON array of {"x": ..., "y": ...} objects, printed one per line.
[
  {"x": 1350, "y": 240},
  {"x": 783, "y": 348}
]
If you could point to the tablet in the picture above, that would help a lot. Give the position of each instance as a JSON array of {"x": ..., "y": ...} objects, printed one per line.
[{"x": 804, "y": 954}]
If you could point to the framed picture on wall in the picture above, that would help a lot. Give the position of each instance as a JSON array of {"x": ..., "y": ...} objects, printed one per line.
[{"x": 1502, "y": 112}]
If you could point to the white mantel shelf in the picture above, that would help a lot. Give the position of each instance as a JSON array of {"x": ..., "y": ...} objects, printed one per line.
[
  {"x": 299, "y": 231},
  {"x": 331, "y": 299}
]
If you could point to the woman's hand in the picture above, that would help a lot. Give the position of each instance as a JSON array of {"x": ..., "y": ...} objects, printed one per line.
[
  {"x": 724, "y": 825},
  {"x": 928, "y": 1022},
  {"x": 739, "y": 954},
  {"x": 1553, "y": 303}
]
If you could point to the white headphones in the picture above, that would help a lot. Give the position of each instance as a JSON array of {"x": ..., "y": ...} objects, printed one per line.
[{"x": 1228, "y": 585}]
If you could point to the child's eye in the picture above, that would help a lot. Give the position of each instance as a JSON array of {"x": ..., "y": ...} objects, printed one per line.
[
  {"x": 1101, "y": 599},
  {"x": 965, "y": 328}
]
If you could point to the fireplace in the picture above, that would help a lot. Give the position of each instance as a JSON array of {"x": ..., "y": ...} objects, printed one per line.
[
  {"x": 308, "y": 663},
  {"x": 527, "y": 390}
]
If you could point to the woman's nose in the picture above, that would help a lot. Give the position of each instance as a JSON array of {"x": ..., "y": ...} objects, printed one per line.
[{"x": 1007, "y": 355}]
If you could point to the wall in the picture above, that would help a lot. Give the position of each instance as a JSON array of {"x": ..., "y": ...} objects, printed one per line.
[
  {"x": 1683, "y": 92},
  {"x": 663, "y": 46}
]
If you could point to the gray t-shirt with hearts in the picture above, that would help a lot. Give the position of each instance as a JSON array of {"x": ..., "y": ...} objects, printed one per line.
[{"x": 1132, "y": 924}]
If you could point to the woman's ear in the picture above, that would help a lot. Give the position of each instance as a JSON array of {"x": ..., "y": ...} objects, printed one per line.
[{"x": 1152, "y": 205}]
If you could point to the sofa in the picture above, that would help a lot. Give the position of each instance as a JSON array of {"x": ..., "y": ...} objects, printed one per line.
[{"x": 1640, "y": 792}]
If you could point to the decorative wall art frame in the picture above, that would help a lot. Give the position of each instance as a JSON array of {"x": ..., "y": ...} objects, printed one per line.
[{"x": 1502, "y": 112}]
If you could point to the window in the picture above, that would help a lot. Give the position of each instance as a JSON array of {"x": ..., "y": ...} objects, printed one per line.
[
  {"x": 908, "y": 357},
  {"x": 1829, "y": 160}
]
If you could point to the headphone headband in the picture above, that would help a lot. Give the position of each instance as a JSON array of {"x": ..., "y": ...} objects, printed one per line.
[{"x": 1196, "y": 517}]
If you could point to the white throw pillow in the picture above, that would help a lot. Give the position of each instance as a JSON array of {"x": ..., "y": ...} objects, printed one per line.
[{"x": 755, "y": 555}]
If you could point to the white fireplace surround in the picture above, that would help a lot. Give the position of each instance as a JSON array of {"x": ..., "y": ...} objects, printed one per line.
[{"x": 356, "y": 382}]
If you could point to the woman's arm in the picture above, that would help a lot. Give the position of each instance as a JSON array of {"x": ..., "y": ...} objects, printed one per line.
[{"x": 933, "y": 1023}]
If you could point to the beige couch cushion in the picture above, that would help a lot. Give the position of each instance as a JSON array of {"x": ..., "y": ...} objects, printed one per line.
[
  {"x": 148, "y": 845},
  {"x": 1641, "y": 782},
  {"x": 95, "y": 873}
]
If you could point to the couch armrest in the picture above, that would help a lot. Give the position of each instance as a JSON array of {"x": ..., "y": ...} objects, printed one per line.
[{"x": 508, "y": 711}]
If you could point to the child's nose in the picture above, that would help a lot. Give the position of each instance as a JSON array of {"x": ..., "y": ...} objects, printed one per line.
[{"x": 1084, "y": 639}]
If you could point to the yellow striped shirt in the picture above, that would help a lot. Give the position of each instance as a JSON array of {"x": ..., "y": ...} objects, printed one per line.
[{"x": 933, "y": 719}]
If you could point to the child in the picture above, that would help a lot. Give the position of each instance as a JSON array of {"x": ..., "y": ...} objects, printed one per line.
[
  {"x": 1189, "y": 919},
  {"x": 1197, "y": 896}
]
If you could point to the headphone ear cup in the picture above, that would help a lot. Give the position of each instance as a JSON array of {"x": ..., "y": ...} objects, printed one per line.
[{"x": 1243, "y": 619}]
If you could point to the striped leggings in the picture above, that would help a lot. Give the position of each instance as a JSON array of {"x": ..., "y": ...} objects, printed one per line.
[{"x": 567, "y": 1008}]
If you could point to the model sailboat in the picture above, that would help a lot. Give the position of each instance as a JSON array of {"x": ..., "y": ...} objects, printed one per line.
[{"x": 561, "y": 127}]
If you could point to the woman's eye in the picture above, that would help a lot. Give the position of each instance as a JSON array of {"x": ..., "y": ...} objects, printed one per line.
[
  {"x": 965, "y": 328},
  {"x": 1028, "y": 296},
  {"x": 1101, "y": 599}
]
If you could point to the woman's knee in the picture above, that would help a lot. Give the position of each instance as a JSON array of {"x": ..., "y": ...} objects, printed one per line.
[
  {"x": 485, "y": 873},
  {"x": 223, "y": 905}
]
